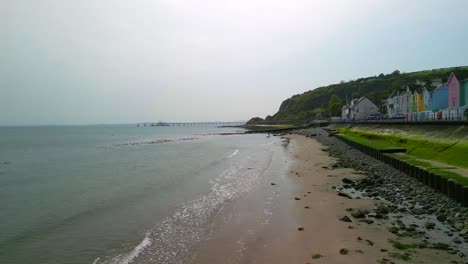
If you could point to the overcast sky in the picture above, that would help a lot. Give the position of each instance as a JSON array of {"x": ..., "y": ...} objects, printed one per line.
[{"x": 116, "y": 61}]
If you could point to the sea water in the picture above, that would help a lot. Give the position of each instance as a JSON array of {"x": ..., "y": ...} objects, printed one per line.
[{"x": 120, "y": 194}]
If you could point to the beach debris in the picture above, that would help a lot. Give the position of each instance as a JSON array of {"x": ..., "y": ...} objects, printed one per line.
[
  {"x": 344, "y": 251},
  {"x": 359, "y": 238},
  {"x": 297, "y": 199},
  {"x": 342, "y": 194},
  {"x": 306, "y": 207},
  {"x": 346, "y": 219},
  {"x": 370, "y": 243},
  {"x": 308, "y": 192},
  {"x": 272, "y": 183},
  {"x": 300, "y": 229}
]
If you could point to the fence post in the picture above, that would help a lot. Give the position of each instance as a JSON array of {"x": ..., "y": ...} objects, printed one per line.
[
  {"x": 465, "y": 196},
  {"x": 451, "y": 188}
]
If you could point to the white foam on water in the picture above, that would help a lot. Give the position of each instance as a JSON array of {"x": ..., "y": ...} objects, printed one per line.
[
  {"x": 128, "y": 258},
  {"x": 233, "y": 154},
  {"x": 172, "y": 241}
]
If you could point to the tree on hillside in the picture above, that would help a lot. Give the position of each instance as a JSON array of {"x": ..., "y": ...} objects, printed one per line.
[
  {"x": 396, "y": 73},
  {"x": 334, "y": 106}
]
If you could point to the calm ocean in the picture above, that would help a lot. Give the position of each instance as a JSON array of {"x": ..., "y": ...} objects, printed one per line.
[{"x": 117, "y": 194}]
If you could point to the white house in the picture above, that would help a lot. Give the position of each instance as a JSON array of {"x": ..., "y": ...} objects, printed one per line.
[{"x": 359, "y": 109}]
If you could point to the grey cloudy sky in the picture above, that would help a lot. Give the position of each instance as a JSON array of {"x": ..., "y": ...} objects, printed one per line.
[{"x": 116, "y": 61}]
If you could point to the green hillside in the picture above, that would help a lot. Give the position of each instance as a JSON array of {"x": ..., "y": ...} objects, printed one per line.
[{"x": 328, "y": 100}]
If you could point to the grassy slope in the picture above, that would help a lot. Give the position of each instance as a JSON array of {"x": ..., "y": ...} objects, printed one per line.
[
  {"x": 448, "y": 151},
  {"x": 305, "y": 106}
]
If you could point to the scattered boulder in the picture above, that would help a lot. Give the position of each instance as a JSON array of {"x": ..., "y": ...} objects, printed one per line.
[
  {"x": 346, "y": 219},
  {"x": 429, "y": 225},
  {"x": 300, "y": 229},
  {"x": 359, "y": 213},
  {"x": 344, "y": 195},
  {"x": 297, "y": 199},
  {"x": 347, "y": 181},
  {"x": 382, "y": 209},
  {"x": 442, "y": 217},
  {"x": 344, "y": 251}
]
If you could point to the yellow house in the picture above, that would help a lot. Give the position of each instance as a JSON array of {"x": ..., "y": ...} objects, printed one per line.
[{"x": 419, "y": 101}]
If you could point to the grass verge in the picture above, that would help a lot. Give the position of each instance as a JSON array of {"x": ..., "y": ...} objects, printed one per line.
[{"x": 451, "y": 152}]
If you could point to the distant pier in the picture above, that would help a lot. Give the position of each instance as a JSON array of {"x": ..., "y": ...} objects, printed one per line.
[{"x": 189, "y": 124}]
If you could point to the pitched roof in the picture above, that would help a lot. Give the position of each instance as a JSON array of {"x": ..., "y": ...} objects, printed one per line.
[{"x": 362, "y": 98}]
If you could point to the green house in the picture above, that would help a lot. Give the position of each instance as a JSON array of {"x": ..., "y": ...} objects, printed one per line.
[{"x": 464, "y": 93}]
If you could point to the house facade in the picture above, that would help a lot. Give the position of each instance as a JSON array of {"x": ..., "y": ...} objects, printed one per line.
[
  {"x": 419, "y": 100},
  {"x": 345, "y": 112},
  {"x": 464, "y": 93},
  {"x": 405, "y": 99},
  {"x": 362, "y": 108},
  {"x": 412, "y": 102},
  {"x": 391, "y": 104},
  {"x": 453, "y": 86},
  {"x": 427, "y": 100},
  {"x": 440, "y": 97}
]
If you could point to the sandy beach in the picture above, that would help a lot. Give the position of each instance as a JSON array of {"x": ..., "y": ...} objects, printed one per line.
[{"x": 305, "y": 224}]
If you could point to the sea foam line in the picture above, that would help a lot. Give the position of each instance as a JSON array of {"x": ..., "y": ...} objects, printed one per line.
[
  {"x": 128, "y": 258},
  {"x": 233, "y": 154},
  {"x": 171, "y": 241}
]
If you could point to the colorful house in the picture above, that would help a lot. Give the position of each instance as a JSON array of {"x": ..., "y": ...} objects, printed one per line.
[
  {"x": 419, "y": 100},
  {"x": 391, "y": 104},
  {"x": 412, "y": 102},
  {"x": 464, "y": 93},
  {"x": 427, "y": 100},
  {"x": 440, "y": 97},
  {"x": 405, "y": 99},
  {"x": 453, "y": 86}
]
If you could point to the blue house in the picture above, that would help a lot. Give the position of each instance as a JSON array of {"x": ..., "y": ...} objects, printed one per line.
[{"x": 440, "y": 97}]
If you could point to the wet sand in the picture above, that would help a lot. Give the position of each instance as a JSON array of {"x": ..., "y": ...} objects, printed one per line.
[{"x": 246, "y": 232}]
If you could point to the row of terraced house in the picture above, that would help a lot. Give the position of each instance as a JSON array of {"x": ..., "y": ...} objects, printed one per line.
[{"x": 448, "y": 101}]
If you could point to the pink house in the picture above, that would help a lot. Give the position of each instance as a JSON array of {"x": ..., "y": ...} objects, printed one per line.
[{"x": 453, "y": 91}]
